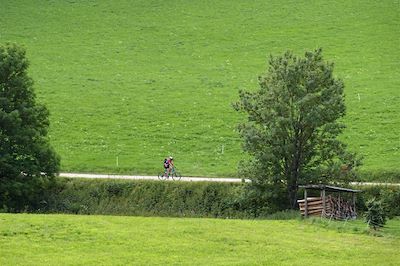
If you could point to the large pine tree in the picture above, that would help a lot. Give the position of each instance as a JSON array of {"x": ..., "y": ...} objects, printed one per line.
[{"x": 27, "y": 161}]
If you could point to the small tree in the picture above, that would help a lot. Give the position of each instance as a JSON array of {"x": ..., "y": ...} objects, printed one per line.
[
  {"x": 292, "y": 128},
  {"x": 27, "y": 161},
  {"x": 375, "y": 215}
]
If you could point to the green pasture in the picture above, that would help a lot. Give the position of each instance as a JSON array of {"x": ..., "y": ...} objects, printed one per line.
[
  {"x": 112, "y": 240},
  {"x": 129, "y": 82}
]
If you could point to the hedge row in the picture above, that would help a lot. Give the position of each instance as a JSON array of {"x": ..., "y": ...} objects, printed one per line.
[
  {"x": 145, "y": 198},
  {"x": 380, "y": 176},
  {"x": 182, "y": 199},
  {"x": 389, "y": 195}
]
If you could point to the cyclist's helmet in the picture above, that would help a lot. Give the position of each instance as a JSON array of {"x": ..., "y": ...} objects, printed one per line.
[{"x": 171, "y": 158}]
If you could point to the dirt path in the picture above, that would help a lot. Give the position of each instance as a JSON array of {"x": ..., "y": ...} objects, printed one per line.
[
  {"x": 137, "y": 177},
  {"x": 196, "y": 179}
]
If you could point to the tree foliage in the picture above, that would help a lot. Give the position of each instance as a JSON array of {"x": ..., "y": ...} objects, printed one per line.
[
  {"x": 27, "y": 161},
  {"x": 293, "y": 124}
]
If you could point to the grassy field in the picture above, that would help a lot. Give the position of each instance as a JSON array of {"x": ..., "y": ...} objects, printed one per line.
[
  {"x": 105, "y": 240},
  {"x": 129, "y": 82}
]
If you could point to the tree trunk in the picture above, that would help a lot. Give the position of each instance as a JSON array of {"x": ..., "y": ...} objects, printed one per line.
[
  {"x": 294, "y": 177},
  {"x": 294, "y": 170},
  {"x": 292, "y": 189},
  {"x": 292, "y": 195}
]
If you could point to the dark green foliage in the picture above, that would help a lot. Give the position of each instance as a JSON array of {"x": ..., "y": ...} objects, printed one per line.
[
  {"x": 388, "y": 195},
  {"x": 380, "y": 176},
  {"x": 292, "y": 126},
  {"x": 154, "y": 198},
  {"x": 27, "y": 161},
  {"x": 262, "y": 200},
  {"x": 375, "y": 215},
  {"x": 391, "y": 202},
  {"x": 146, "y": 198},
  {"x": 181, "y": 199}
]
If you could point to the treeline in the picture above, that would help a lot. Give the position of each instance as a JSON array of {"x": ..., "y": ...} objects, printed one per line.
[{"x": 178, "y": 199}]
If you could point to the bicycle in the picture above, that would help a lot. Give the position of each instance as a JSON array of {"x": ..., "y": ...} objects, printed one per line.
[{"x": 176, "y": 176}]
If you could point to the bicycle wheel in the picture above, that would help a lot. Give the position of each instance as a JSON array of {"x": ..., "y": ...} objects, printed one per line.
[
  {"x": 176, "y": 176},
  {"x": 162, "y": 176}
]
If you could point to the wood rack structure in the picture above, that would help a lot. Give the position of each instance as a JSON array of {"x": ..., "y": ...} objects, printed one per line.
[{"x": 329, "y": 206}]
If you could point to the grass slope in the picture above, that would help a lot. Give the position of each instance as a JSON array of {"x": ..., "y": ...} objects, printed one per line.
[
  {"x": 93, "y": 240},
  {"x": 129, "y": 82}
]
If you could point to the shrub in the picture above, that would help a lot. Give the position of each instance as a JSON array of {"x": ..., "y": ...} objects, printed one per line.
[
  {"x": 380, "y": 176},
  {"x": 147, "y": 198},
  {"x": 391, "y": 201},
  {"x": 389, "y": 196},
  {"x": 181, "y": 199},
  {"x": 375, "y": 215}
]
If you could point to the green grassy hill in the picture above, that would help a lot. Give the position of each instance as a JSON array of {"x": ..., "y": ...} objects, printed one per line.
[
  {"x": 111, "y": 240},
  {"x": 129, "y": 82}
]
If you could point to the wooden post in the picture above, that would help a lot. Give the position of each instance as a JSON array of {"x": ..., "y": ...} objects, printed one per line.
[
  {"x": 354, "y": 203},
  {"x": 323, "y": 203},
  {"x": 305, "y": 203}
]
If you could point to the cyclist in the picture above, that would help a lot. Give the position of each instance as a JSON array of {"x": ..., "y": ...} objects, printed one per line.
[
  {"x": 168, "y": 165},
  {"x": 169, "y": 170},
  {"x": 171, "y": 163}
]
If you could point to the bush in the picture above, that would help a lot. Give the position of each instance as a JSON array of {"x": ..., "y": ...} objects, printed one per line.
[
  {"x": 380, "y": 176},
  {"x": 145, "y": 198},
  {"x": 375, "y": 215},
  {"x": 154, "y": 198},
  {"x": 181, "y": 199},
  {"x": 388, "y": 195},
  {"x": 391, "y": 201},
  {"x": 261, "y": 201}
]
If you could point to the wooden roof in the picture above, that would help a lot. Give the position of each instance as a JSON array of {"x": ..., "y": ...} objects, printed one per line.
[{"x": 329, "y": 188}]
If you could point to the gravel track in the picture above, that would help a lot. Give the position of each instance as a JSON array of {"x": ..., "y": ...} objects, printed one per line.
[
  {"x": 138, "y": 177},
  {"x": 194, "y": 179}
]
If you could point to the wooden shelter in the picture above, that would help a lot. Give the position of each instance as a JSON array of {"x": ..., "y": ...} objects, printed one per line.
[{"x": 330, "y": 204}]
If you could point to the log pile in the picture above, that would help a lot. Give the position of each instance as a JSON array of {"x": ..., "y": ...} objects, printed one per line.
[
  {"x": 314, "y": 206},
  {"x": 335, "y": 208},
  {"x": 341, "y": 209}
]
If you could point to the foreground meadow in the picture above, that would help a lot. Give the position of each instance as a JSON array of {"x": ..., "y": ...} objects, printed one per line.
[
  {"x": 105, "y": 240},
  {"x": 128, "y": 82}
]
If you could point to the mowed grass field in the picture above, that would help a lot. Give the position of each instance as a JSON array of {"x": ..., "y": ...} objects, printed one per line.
[
  {"x": 111, "y": 240},
  {"x": 129, "y": 82}
]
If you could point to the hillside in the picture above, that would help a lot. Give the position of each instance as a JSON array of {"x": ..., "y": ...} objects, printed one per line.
[
  {"x": 129, "y": 82},
  {"x": 118, "y": 240}
]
